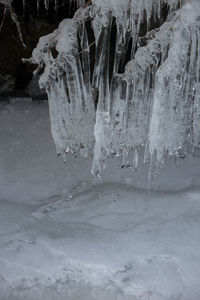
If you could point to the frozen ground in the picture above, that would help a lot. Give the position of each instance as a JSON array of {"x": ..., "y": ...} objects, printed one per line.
[{"x": 67, "y": 235}]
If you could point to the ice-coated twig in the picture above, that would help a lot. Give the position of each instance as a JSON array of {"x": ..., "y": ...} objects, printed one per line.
[{"x": 4, "y": 14}]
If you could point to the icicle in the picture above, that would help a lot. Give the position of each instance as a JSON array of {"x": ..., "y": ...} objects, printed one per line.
[
  {"x": 15, "y": 20},
  {"x": 170, "y": 126},
  {"x": 135, "y": 160},
  {"x": 56, "y": 6},
  {"x": 38, "y": 7},
  {"x": 24, "y": 4},
  {"x": 4, "y": 14},
  {"x": 71, "y": 107},
  {"x": 46, "y": 5}
]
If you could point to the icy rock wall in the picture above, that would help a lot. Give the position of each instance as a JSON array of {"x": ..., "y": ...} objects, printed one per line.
[{"x": 153, "y": 104}]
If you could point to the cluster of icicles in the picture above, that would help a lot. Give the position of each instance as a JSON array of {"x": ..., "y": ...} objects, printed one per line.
[{"x": 153, "y": 107}]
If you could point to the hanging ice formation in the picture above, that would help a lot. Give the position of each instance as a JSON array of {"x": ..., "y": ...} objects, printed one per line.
[{"x": 133, "y": 94}]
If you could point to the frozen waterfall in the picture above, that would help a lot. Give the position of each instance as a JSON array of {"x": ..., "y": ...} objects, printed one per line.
[{"x": 123, "y": 76}]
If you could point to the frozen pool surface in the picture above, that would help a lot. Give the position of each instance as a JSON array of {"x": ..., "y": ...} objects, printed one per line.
[{"x": 67, "y": 235}]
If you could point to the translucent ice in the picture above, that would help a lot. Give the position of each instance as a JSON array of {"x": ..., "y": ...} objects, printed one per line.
[{"x": 138, "y": 64}]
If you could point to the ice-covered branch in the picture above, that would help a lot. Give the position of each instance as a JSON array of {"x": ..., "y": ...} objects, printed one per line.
[{"x": 9, "y": 7}]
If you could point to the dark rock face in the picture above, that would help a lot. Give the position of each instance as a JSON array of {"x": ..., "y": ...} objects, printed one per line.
[{"x": 16, "y": 77}]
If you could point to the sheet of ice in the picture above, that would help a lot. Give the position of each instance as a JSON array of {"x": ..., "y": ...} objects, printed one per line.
[{"x": 67, "y": 235}]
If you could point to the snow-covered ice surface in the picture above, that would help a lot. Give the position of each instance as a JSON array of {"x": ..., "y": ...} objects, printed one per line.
[{"x": 65, "y": 234}]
